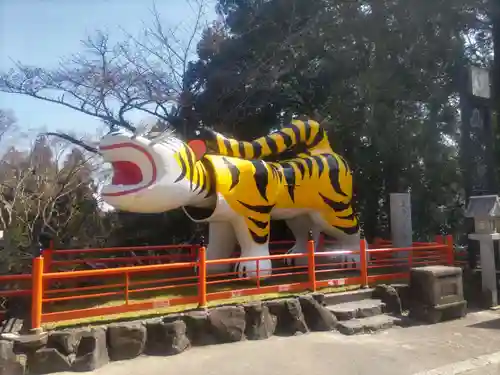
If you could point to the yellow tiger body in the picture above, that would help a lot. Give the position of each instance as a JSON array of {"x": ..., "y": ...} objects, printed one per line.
[{"x": 318, "y": 182}]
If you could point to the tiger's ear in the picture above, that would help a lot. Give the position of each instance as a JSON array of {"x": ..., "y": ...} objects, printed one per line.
[{"x": 199, "y": 148}]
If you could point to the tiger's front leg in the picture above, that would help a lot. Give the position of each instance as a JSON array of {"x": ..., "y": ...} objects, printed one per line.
[
  {"x": 221, "y": 242},
  {"x": 253, "y": 237}
]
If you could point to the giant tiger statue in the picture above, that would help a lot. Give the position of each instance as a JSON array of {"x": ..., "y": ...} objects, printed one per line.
[{"x": 227, "y": 184}]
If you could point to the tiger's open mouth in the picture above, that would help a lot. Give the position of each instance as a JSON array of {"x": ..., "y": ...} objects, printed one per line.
[{"x": 134, "y": 168}]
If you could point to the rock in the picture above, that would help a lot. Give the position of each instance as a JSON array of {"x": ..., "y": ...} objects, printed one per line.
[
  {"x": 198, "y": 328},
  {"x": 357, "y": 309},
  {"x": 260, "y": 324},
  {"x": 9, "y": 362},
  {"x": 227, "y": 323},
  {"x": 126, "y": 340},
  {"x": 19, "y": 307},
  {"x": 365, "y": 325},
  {"x": 30, "y": 342},
  {"x": 166, "y": 338},
  {"x": 289, "y": 315},
  {"x": 389, "y": 295},
  {"x": 319, "y": 297},
  {"x": 317, "y": 317},
  {"x": 47, "y": 361},
  {"x": 92, "y": 352},
  {"x": 12, "y": 325},
  {"x": 65, "y": 341},
  {"x": 6, "y": 351}
]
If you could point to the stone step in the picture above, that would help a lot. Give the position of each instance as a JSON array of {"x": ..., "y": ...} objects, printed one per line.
[
  {"x": 357, "y": 309},
  {"x": 366, "y": 325}
]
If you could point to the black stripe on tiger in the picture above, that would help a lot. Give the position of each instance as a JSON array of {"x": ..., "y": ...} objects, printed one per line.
[
  {"x": 320, "y": 135},
  {"x": 261, "y": 209},
  {"x": 234, "y": 171},
  {"x": 351, "y": 217},
  {"x": 190, "y": 161},
  {"x": 261, "y": 177},
  {"x": 309, "y": 164},
  {"x": 272, "y": 144},
  {"x": 290, "y": 178},
  {"x": 334, "y": 174},
  {"x": 183, "y": 168},
  {"x": 336, "y": 206},
  {"x": 349, "y": 230},
  {"x": 259, "y": 224},
  {"x": 319, "y": 162},
  {"x": 257, "y": 150},
  {"x": 259, "y": 239},
  {"x": 229, "y": 149},
  {"x": 308, "y": 130}
]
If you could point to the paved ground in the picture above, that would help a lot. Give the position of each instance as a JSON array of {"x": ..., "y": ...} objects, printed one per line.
[{"x": 470, "y": 346}]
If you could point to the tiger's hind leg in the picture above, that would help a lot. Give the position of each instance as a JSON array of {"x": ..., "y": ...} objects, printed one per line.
[
  {"x": 300, "y": 227},
  {"x": 347, "y": 235},
  {"x": 253, "y": 237}
]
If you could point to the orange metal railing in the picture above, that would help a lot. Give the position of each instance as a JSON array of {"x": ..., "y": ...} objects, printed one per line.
[{"x": 311, "y": 271}]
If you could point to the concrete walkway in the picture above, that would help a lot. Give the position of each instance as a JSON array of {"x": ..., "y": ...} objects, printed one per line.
[{"x": 470, "y": 346}]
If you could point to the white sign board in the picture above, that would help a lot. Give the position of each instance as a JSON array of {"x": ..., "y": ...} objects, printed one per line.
[{"x": 480, "y": 82}]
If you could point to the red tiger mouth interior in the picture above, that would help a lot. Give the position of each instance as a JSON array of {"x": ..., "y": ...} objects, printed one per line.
[{"x": 126, "y": 173}]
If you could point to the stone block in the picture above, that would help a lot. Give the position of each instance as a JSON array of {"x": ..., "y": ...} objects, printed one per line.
[
  {"x": 65, "y": 341},
  {"x": 260, "y": 323},
  {"x": 357, "y": 309},
  {"x": 126, "y": 340},
  {"x": 92, "y": 351},
  {"x": 317, "y": 317},
  {"x": 289, "y": 315},
  {"x": 436, "y": 285},
  {"x": 390, "y": 296},
  {"x": 48, "y": 361},
  {"x": 365, "y": 325},
  {"x": 227, "y": 323},
  {"x": 167, "y": 337}
]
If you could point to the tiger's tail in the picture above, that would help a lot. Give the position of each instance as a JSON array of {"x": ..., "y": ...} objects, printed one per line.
[{"x": 306, "y": 133}]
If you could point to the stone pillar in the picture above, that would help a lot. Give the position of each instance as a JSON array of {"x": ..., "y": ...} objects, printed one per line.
[
  {"x": 401, "y": 227},
  {"x": 488, "y": 268}
]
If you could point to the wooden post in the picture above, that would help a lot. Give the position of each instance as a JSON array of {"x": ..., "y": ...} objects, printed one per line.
[
  {"x": 37, "y": 293},
  {"x": 202, "y": 275},
  {"x": 363, "y": 263},
  {"x": 450, "y": 253},
  {"x": 311, "y": 262}
]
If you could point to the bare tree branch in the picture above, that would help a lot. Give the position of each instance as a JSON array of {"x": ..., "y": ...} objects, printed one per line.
[{"x": 110, "y": 82}]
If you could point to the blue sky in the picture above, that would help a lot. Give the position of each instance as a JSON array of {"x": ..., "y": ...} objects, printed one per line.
[{"x": 40, "y": 32}]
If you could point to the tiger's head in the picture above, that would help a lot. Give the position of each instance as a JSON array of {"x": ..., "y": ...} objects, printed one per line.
[{"x": 150, "y": 172}]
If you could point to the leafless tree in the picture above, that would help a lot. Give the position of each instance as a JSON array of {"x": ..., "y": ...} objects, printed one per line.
[
  {"x": 42, "y": 189},
  {"x": 111, "y": 81}
]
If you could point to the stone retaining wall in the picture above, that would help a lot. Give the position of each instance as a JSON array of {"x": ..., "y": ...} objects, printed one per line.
[{"x": 86, "y": 349}]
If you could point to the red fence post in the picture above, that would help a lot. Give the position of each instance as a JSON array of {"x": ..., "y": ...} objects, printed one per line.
[
  {"x": 311, "y": 263},
  {"x": 37, "y": 293},
  {"x": 48, "y": 253},
  {"x": 439, "y": 239},
  {"x": 202, "y": 275},
  {"x": 363, "y": 263},
  {"x": 450, "y": 253}
]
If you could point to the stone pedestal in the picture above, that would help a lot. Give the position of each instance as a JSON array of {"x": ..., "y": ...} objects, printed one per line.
[
  {"x": 436, "y": 293},
  {"x": 488, "y": 268}
]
